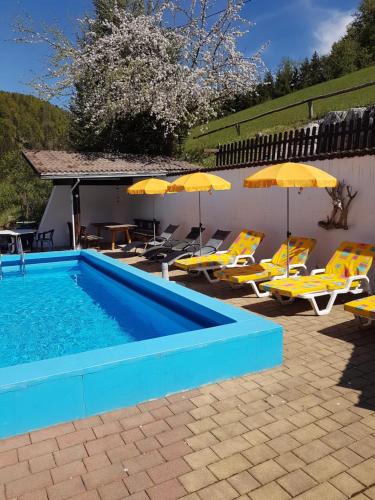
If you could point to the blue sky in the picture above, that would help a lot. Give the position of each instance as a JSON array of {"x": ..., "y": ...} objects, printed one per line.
[{"x": 293, "y": 28}]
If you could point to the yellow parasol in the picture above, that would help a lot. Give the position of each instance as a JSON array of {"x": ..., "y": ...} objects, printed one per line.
[
  {"x": 289, "y": 175},
  {"x": 150, "y": 186},
  {"x": 198, "y": 182}
]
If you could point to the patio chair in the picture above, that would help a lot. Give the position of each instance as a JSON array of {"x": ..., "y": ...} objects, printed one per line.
[
  {"x": 240, "y": 252},
  {"x": 85, "y": 239},
  {"x": 159, "y": 241},
  {"x": 212, "y": 246},
  {"x": 300, "y": 249},
  {"x": 346, "y": 272},
  {"x": 363, "y": 310},
  {"x": 169, "y": 246},
  {"x": 44, "y": 238}
]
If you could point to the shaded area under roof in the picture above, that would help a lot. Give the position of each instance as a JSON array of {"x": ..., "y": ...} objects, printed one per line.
[{"x": 72, "y": 165}]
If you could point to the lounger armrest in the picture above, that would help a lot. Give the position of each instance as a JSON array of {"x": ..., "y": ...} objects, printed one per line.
[
  {"x": 358, "y": 277},
  {"x": 248, "y": 257},
  {"x": 263, "y": 261},
  {"x": 317, "y": 271}
]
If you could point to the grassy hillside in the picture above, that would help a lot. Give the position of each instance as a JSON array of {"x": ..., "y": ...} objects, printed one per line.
[
  {"x": 290, "y": 118},
  {"x": 29, "y": 122}
]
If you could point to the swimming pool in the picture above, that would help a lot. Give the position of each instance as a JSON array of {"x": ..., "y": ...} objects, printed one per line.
[{"x": 81, "y": 334}]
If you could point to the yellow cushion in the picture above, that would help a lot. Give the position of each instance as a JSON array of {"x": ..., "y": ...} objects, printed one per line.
[
  {"x": 255, "y": 272},
  {"x": 300, "y": 285},
  {"x": 245, "y": 244},
  {"x": 299, "y": 251},
  {"x": 351, "y": 259},
  {"x": 362, "y": 307},
  {"x": 205, "y": 260}
]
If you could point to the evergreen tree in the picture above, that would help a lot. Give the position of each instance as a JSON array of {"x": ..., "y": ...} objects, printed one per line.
[
  {"x": 284, "y": 78},
  {"x": 316, "y": 70}
]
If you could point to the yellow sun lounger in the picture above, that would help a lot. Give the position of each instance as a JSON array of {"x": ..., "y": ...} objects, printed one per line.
[
  {"x": 274, "y": 268},
  {"x": 346, "y": 272},
  {"x": 240, "y": 252},
  {"x": 363, "y": 310}
]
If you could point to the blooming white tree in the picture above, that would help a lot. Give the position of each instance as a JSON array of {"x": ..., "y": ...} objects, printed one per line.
[{"x": 177, "y": 65}]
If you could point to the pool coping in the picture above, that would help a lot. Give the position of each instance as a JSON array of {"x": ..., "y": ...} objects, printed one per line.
[{"x": 181, "y": 346}]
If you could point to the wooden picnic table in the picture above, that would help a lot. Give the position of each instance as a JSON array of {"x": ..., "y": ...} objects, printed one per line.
[
  {"x": 101, "y": 225},
  {"x": 120, "y": 228}
]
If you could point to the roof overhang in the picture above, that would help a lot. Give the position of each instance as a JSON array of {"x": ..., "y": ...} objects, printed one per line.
[{"x": 65, "y": 165}]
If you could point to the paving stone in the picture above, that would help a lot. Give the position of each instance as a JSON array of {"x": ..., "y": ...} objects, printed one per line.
[
  {"x": 201, "y": 441},
  {"x": 103, "y": 476},
  {"x": 96, "y": 462},
  {"x": 170, "y": 490},
  {"x": 197, "y": 479},
  {"x": 260, "y": 453},
  {"x": 120, "y": 453},
  {"x": 220, "y": 491},
  {"x": 138, "y": 482},
  {"x": 143, "y": 462},
  {"x": 231, "y": 446},
  {"x": 364, "y": 472},
  {"x": 113, "y": 491},
  {"x": 175, "y": 450},
  {"x": 296, "y": 482},
  {"x": 229, "y": 466},
  {"x": 322, "y": 491},
  {"x": 27, "y": 484},
  {"x": 365, "y": 447},
  {"x": 68, "y": 471},
  {"x": 308, "y": 433},
  {"x": 73, "y": 438},
  {"x": 313, "y": 451},
  {"x": 70, "y": 454},
  {"x": 269, "y": 491},
  {"x": 267, "y": 471},
  {"x": 289, "y": 461},
  {"x": 44, "y": 462},
  {"x": 243, "y": 482},
  {"x": 37, "y": 449},
  {"x": 346, "y": 484},
  {"x": 9, "y": 457},
  {"x": 168, "y": 470},
  {"x": 201, "y": 458},
  {"x": 325, "y": 468},
  {"x": 66, "y": 489}
]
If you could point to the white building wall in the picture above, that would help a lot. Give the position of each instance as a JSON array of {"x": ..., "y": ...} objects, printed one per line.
[
  {"x": 57, "y": 214},
  {"x": 259, "y": 209},
  {"x": 98, "y": 204},
  {"x": 265, "y": 209}
]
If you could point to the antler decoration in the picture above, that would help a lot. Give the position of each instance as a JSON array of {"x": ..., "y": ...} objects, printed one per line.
[{"x": 342, "y": 196}]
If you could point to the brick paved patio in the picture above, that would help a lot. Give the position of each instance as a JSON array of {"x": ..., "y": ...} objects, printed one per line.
[{"x": 305, "y": 430}]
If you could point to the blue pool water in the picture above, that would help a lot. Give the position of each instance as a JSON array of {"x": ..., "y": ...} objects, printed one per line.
[{"x": 67, "y": 308}]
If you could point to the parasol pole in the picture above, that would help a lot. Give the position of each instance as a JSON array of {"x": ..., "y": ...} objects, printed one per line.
[
  {"x": 200, "y": 224},
  {"x": 287, "y": 232},
  {"x": 153, "y": 216}
]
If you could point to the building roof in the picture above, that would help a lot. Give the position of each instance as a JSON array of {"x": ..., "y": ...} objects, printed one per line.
[{"x": 67, "y": 164}]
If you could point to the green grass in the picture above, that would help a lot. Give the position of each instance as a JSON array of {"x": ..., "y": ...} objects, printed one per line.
[{"x": 289, "y": 118}]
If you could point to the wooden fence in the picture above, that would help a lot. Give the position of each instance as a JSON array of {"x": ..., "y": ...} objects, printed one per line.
[{"x": 344, "y": 138}]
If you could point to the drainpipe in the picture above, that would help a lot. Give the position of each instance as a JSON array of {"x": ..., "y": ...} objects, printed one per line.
[{"x": 73, "y": 218}]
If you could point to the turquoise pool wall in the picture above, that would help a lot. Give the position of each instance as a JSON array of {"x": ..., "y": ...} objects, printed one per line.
[{"x": 51, "y": 391}]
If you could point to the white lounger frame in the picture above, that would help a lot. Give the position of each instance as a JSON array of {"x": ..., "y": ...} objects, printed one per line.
[
  {"x": 255, "y": 283},
  {"x": 363, "y": 286},
  {"x": 249, "y": 258}
]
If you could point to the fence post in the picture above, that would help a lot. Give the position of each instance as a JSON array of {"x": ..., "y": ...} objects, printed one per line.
[{"x": 310, "y": 105}]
